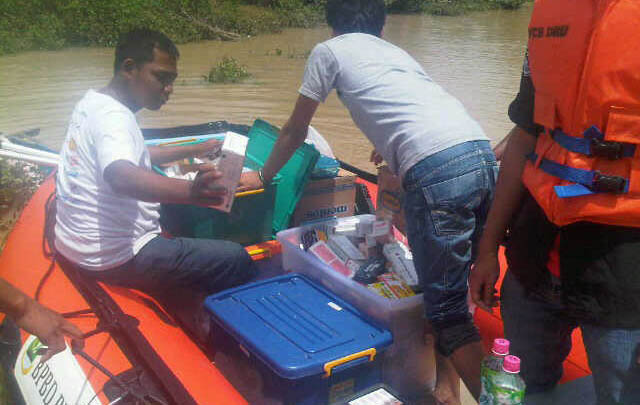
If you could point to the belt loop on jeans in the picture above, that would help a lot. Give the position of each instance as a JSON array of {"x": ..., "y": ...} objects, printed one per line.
[{"x": 407, "y": 184}]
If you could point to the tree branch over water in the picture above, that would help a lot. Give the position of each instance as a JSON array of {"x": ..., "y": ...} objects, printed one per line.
[{"x": 222, "y": 34}]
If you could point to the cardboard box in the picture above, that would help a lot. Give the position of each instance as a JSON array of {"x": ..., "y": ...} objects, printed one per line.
[{"x": 327, "y": 198}]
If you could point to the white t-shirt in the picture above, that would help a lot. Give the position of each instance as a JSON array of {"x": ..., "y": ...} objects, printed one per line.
[
  {"x": 391, "y": 99},
  {"x": 96, "y": 228}
]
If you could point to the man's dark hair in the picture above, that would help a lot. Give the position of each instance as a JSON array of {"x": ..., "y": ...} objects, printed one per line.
[
  {"x": 348, "y": 16},
  {"x": 138, "y": 45}
]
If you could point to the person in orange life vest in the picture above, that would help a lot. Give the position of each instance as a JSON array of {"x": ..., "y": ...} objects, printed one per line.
[
  {"x": 568, "y": 193},
  {"x": 49, "y": 326}
]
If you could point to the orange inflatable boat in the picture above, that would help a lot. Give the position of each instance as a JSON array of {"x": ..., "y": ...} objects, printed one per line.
[{"x": 134, "y": 352}]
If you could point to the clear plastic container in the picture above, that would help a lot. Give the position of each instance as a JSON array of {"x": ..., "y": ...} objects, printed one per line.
[
  {"x": 397, "y": 315},
  {"x": 409, "y": 365}
]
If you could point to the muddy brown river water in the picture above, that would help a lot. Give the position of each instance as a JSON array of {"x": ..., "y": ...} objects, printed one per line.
[{"x": 477, "y": 58}]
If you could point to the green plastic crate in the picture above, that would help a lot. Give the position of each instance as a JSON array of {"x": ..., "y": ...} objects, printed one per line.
[
  {"x": 253, "y": 218},
  {"x": 293, "y": 176},
  {"x": 250, "y": 220}
]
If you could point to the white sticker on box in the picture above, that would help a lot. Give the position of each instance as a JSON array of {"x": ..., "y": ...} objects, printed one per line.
[
  {"x": 377, "y": 397},
  {"x": 335, "y": 306},
  {"x": 345, "y": 229}
]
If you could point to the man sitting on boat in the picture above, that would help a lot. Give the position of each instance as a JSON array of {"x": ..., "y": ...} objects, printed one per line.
[
  {"x": 426, "y": 136},
  {"x": 108, "y": 198}
]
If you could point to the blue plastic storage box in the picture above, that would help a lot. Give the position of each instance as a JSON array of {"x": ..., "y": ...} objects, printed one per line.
[{"x": 308, "y": 346}]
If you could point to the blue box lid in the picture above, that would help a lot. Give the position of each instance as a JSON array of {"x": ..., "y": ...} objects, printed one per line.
[{"x": 295, "y": 326}]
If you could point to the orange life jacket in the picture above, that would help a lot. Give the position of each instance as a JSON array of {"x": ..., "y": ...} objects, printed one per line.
[{"x": 585, "y": 68}]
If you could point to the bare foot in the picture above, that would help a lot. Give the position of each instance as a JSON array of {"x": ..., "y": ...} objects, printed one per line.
[
  {"x": 444, "y": 395},
  {"x": 447, "y": 389}
]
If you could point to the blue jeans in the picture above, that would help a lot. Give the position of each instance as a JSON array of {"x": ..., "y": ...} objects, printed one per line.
[
  {"x": 447, "y": 200},
  {"x": 201, "y": 266},
  {"x": 540, "y": 334},
  {"x": 181, "y": 272}
]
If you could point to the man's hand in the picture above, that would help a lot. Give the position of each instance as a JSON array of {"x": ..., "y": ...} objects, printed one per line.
[
  {"x": 482, "y": 281},
  {"x": 376, "y": 158},
  {"x": 203, "y": 188},
  {"x": 210, "y": 148},
  {"x": 49, "y": 326},
  {"x": 249, "y": 181}
]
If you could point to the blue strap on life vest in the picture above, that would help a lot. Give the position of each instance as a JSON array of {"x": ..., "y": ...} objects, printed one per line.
[
  {"x": 593, "y": 144},
  {"x": 587, "y": 181}
]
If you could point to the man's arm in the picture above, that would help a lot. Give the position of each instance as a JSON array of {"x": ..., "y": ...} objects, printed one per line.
[
  {"x": 319, "y": 79},
  {"x": 292, "y": 136},
  {"x": 166, "y": 154},
  {"x": 49, "y": 326},
  {"x": 509, "y": 191},
  {"x": 132, "y": 181}
]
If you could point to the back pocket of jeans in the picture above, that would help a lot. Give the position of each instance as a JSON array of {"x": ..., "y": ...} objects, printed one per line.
[{"x": 452, "y": 203}]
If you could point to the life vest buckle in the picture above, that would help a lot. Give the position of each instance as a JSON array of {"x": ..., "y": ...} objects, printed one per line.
[
  {"x": 608, "y": 184},
  {"x": 605, "y": 149}
]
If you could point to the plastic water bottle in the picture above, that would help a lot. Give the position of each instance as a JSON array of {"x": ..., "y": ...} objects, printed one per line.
[
  {"x": 491, "y": 367},
  {"x": 508, "y": 386}
]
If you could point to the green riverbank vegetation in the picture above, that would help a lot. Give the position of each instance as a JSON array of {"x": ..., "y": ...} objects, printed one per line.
[
  {"x": 54, "y": 24},
  {"x": 452, "y": 7},
  {"x": 18, "y": 181},
  {"x": 228, "y": 70}
]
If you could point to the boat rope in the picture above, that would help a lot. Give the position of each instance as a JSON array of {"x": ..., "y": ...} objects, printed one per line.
[
  {"x": 48, "y": 236},
  {"x": 364, "y": 175},
  {"x": 47, "y": 242},
  {"x": 76, "y": 348},
  {"x": 123, "y": 328}
]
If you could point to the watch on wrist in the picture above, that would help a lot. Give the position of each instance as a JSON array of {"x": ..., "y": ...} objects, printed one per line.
[{"x": 261, "y": 177}]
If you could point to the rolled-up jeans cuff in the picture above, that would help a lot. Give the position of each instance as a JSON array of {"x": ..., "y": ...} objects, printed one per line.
[{"x": 453, "y": 335}]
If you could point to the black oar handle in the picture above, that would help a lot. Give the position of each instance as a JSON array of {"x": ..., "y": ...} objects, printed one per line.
[{"x": 372, "y": 178}]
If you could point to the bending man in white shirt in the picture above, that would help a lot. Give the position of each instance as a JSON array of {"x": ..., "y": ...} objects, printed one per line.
[{"x": 426, "y": 137}]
